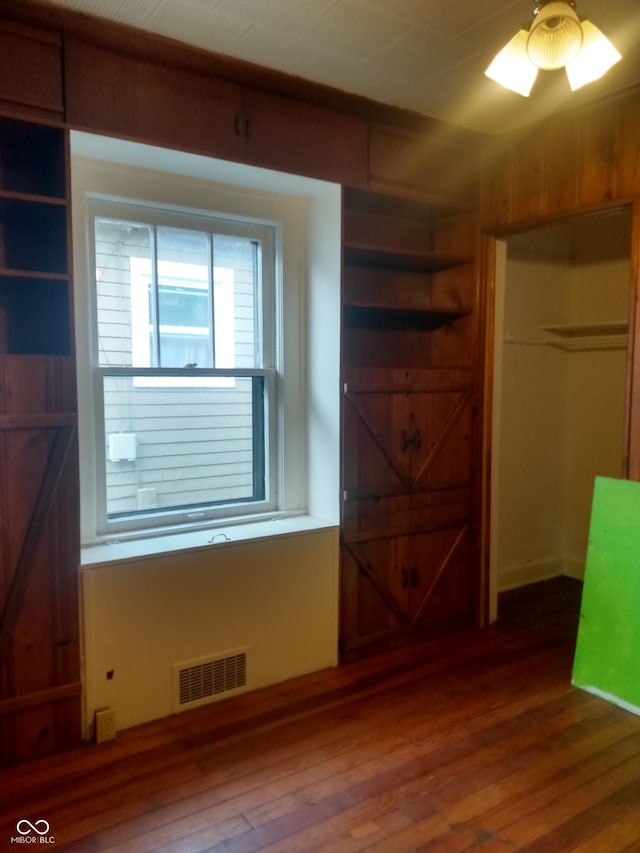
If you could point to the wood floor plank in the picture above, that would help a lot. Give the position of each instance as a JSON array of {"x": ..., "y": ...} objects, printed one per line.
[
  {"x": 418, "y": 803},
  {"x": 410, "y": 759},
  {"x": 584, "y": 811},
  {"x": 476, "y": 741},
  {"x": 619, "y": 836},
  {"x": 513, "y": 802},
  {"x": 295, "y": 782}
]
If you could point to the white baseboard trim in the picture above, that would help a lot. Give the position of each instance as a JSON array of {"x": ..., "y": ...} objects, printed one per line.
[
  {"x": 574, "y": 569},
  {"x": 541, "y": 570}
]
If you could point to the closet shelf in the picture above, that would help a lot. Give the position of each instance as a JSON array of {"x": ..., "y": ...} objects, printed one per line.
[{"x": 589, "y": 336}]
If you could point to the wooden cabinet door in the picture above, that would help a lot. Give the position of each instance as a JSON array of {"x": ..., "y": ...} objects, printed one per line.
[
  {"x": 374, "y": 601},
  {"x": 396, "y": 586},
  {"x": 438, "y": 438},
  {"x": 374, "y": 461},
  {"x": 109, "y": 92},
  {"x": 401, "y": 440},
  {"x": 406, "y": 506},
  {"x": 305, "y": 139},
  {"x": 142, "y": 99},
  {"x": 440, "y": 579},
  {"x": 40, "y": 691},
  {"x": 31, "y": 70}
]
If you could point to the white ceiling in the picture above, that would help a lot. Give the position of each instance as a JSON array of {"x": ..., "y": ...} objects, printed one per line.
[{"x": 423, "y": 55}]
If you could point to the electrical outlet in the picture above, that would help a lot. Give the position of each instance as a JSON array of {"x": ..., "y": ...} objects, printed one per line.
[{"x": 105, "y": 724}]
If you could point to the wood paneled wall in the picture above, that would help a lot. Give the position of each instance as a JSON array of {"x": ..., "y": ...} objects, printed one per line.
[
  {"x": 119, "y": 81},
  {"x": 575, "y": 164},
  {"x": 571, "y": 164},
  {"x": 59, "y": 68}
]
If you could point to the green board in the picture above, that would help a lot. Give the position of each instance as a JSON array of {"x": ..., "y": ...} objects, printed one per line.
[{"x": 607, "y": 658}]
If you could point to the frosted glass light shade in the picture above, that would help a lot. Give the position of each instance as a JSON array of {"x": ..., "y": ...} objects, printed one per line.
[
  {"x": 555, "y": 37},
  {"x": 595, "y": 58},
  {"x": 512, "y": 68}
]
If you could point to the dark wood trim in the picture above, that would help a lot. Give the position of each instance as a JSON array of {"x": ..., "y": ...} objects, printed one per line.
[
  {"x": 59, "y": 693},
  {"x": 487, "y": 312},
  {"x": 36, "y": 421},
  {"x": 631, "y": 450}
]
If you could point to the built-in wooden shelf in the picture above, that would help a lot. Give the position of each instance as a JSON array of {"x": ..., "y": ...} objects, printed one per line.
[
  {"x": 35, "y": 315},
  {"x": 391, "y": 258},
  {"x": 399, "y": 317}
]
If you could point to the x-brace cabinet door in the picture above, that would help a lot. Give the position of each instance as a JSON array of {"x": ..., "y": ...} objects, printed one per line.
[
  {"x": 375, "y": 592},
  {"x": 373, "y": 461},
  {"x": 40, "y": 690},
  {"x": 439, "y": 578},
  {"x": 438, "y": 438},
  {"x": 393, "y": 586},
  {"x": 405, "y": 440}
]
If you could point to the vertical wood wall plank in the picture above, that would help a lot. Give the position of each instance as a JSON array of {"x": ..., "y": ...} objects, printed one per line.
[
  {"x": 597, "y": 157},
  {"x": 527, "y": 193},
  {"x": 497, "y": 185},
  {"x": 628, "y": 166},
  {"x": 559, "y": 144}
]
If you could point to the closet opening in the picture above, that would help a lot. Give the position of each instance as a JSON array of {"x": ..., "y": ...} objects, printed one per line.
[{"x": 559, "y": 392}]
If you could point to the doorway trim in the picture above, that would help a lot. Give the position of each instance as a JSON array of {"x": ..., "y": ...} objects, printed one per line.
[{"x": 493, "y": 261}]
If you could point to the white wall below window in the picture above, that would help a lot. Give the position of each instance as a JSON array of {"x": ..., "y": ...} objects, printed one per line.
[{"x": 276, "y": 597}]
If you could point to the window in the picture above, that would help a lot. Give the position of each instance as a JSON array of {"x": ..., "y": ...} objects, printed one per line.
[
  {"x": 283, "y": 357},
  {"x": 184, "y": 364}
]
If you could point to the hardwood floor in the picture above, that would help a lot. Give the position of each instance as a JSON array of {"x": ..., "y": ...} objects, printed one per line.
[{"x": 476, "y": 741}]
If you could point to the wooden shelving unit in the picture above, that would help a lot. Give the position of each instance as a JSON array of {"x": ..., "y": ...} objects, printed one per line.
[
  {"x": 34, "y": 267},
  {"x": 407, "y": 421},
  {"x": 40, "y": 690}
]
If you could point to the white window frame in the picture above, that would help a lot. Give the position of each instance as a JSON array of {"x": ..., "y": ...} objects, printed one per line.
[
  {"x": 286, "y": 412},
  {"x": 268, "y": 334}
]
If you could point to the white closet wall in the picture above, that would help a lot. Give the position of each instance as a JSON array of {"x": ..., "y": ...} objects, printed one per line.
[{"x": 562, "y": 394}]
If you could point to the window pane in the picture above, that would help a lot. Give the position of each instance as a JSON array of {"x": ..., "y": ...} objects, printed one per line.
[
  {"x": 195, "y": 315},
  {"x": 181, "y": 317},
  {"x": 237, "y": 262},
  {"x": 185, "y": 447},
  {"x": 123, "y": 271}
]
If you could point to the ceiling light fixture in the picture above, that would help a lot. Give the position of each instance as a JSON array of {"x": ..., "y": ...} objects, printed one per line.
[{"x": 556, "y": 38}]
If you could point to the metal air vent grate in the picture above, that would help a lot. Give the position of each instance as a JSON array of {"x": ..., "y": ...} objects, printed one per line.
[{"x": 202, "y": 681}]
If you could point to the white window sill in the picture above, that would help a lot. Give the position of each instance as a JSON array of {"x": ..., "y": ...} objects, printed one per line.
[{"x": 115, "y": 551}]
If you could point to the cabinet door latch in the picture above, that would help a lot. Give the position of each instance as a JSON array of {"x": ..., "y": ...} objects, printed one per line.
[
  {"x": 242, "y": 125},
  {"x": 414, "y": 440},
  {"x": 410, "y": 578}
]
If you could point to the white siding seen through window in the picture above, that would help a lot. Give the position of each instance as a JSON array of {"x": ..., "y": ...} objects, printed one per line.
[{"x": 183, "y": 330}]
